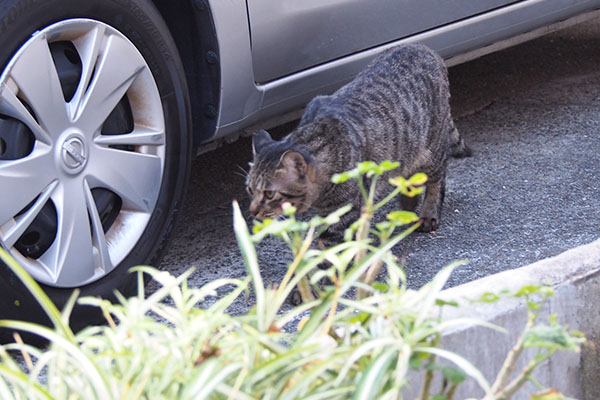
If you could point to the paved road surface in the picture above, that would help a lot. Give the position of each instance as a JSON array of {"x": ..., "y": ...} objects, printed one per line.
[{"x": 532, "y": 115}]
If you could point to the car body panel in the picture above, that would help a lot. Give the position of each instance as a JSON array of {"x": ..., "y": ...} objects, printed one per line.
[
  {"x": 245, "y": 103},
  {"x": 291, "y": 35}
]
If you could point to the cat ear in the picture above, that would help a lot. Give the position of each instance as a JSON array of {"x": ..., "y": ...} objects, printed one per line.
[
  {"x": 259, "y": 139},
  {"x": 294, "y": 161}
]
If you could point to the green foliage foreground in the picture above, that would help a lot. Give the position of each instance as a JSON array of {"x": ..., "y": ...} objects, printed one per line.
[{"x": 353, "y": 338}]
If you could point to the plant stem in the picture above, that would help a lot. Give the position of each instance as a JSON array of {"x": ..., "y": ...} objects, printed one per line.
[
  {"x": 297, "y": 259},
  {"x": 429, "y": 373},
  {"x": 370, "y": 278},
  {"x": 523, "y": 377},
  {"x": 107, "y": 316},
  {"x": 372, "y": 188},
  {"x": 362, "y": 189},
  {"x": 305, "y": 290},
  {"x": 426, "y": 385},
  {"x": 362, "y": 232},
  {"x": 386, "y": 199},
  {"x": 374, "y": 270},
  {"x": 510, "y": 362},
  {"x": 451, "y": 391},
  {"x": 364, "y": 226},
  {"x": 24, "y": 352},
  {"x": 327, "y": 325}
]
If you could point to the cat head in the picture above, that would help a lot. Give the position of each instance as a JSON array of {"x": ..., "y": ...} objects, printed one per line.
[{"x": 279, "y": 174}]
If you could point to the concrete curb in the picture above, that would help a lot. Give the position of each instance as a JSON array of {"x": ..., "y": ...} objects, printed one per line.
[{"x": 575, "y": 276}]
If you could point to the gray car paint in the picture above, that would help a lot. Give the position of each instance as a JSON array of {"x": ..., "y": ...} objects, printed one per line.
[
  {"x": 244, "y": 102},
  {"x": 291, "y": 35}
]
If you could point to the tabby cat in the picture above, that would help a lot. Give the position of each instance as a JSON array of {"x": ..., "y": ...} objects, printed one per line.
[{"x": 396, "y": 109}]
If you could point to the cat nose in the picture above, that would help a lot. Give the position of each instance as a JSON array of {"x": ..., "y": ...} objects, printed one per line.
[{"x": 253, "y": 209}]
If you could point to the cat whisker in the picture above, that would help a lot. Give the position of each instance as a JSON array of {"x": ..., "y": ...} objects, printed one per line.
[
  {"x": 238, "y": 166},
  {"x": 243, "y": 175}
]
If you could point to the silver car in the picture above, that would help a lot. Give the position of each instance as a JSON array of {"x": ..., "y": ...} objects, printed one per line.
[{"x": 104, "y": 103}]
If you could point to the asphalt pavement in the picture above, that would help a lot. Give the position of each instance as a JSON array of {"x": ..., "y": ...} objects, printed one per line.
[{"x": 531, "y": 113}]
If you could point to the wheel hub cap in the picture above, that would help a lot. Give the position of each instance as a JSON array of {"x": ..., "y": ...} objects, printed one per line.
[
  {"x": 84, "y": 165},
  {"x": 74, "y": 154}
]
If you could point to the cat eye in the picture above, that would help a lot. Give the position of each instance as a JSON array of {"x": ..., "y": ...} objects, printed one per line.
[{"x": 269, "y": 194}]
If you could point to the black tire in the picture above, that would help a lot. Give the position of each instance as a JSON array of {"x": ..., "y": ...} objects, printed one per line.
[{"x": 141, "y": 23}]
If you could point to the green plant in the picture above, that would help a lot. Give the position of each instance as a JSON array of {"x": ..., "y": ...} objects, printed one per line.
[
  {"x": 336, "y": 345},
  {"x": 547, "y": 338}
]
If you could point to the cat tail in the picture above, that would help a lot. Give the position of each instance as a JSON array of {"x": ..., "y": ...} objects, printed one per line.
[{"x": 458, "y": 147}]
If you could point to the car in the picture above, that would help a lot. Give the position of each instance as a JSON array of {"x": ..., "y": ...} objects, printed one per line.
[{"x": 104, "y": 103}]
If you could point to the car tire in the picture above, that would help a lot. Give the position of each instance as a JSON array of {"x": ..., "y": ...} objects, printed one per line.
[{"x": 114, "y": 167}]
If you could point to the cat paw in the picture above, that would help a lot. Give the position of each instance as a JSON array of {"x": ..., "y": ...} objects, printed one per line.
[
  {"x": 294, "y": 298},
  {"x": 429, "y": 224},
  {"x": 329, "y": 239}
]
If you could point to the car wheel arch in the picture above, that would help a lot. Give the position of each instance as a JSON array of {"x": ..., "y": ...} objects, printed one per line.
[{"x": 192, "y": 26}]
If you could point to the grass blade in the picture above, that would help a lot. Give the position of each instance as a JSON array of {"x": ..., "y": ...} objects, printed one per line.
[
  {"x": 363, "y": 350},
  {"x": 302, "y": 385},
  {"x": 19, "y": 378},
  {"x": 337, "y": 393},
  {"x": 210, "y": 375},
  {"x": 89, "y": 370},
  {"x": 373, "y": 378},
  {"x": 42, "y": 298},
  {"x": 432, "y": 289},
  {"x": 461, "y": 363},
  {"x": 251, "y": 261}
]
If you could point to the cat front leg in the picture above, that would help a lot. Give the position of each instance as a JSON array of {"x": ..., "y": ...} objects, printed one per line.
[
  {"x": 409, "y": 203},
  {"x": 431, "y": 211}
]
